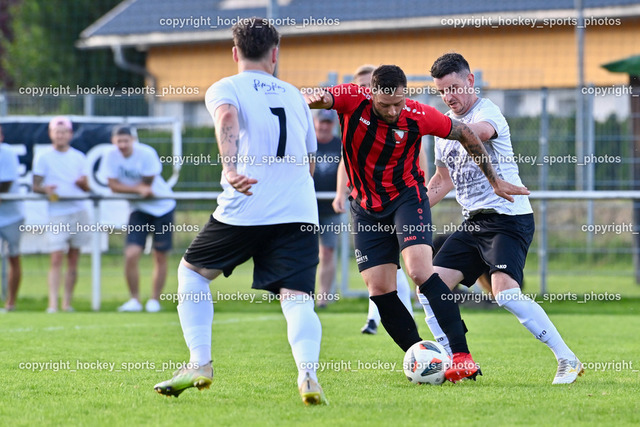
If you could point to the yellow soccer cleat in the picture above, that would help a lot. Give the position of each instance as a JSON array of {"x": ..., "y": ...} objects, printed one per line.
[
  {"x": 312, "y": 393},
  {"x": 187, "y": 377}
]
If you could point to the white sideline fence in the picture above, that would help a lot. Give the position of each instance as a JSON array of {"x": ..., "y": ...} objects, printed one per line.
[{"x": 541, "y": 222}]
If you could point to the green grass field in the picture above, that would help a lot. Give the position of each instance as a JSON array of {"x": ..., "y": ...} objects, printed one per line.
[
  {"x": 254, "y": 380},
  {"x": 88, "y": 368}
]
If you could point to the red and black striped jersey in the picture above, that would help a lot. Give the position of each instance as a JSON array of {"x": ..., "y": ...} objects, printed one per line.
[{"x": 382, "y": 160}]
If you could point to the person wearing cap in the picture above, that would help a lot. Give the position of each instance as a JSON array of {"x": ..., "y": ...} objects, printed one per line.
[
  {"x": 134, "y": 168},
  {"x": 61, "y": 171},
  {"x": 327, "y": 159},
  {"x": 11, "y": 218}
]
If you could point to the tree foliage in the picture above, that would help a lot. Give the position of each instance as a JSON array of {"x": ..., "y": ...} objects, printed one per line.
[{"x": 40, "y": 49}]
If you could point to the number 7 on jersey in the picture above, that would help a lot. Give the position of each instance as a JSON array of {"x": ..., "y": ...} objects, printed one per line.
[{"x": 282, "y": 121}]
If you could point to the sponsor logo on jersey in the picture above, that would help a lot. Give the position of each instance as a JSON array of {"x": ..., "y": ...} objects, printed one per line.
[
  {"x": 365, "y": 121},
  {"x": 267, "y": 87},
  {"x": 501, "y": 266}
]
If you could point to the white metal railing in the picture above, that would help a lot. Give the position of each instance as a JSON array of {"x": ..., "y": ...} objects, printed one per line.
[{"x": 541, "y": 221}]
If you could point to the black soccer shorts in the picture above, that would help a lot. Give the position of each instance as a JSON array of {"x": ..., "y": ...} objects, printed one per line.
[
  {"x": 487, "y": 243},
  {"x": 284, "y": 255},
  {"x": 142, "y": 223},
  {"x": 379, "y": 237}
]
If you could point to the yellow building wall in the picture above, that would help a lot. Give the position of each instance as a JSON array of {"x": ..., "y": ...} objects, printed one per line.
[{"x": 509, "y": 57}]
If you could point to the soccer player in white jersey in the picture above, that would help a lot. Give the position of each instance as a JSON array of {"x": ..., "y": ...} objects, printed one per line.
[
  {"x": 495, "y": 236},
  {"x": 135, "y": 168},
  {"x": 62, "y": 171},
  {"x": 267, "y": 211}
]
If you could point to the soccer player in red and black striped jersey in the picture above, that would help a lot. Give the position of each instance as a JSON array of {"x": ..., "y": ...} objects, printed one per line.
[{"x": 381, "y": 136}]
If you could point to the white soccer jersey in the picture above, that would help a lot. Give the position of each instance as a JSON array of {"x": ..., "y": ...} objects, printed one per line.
[
  {"x": 276, "y": 136},
  {"x": 473, "y": 191},
  {"x": 143, "y": 161},
  {"x": 10, "y": 211},
  {"x": 63, "y": 169}
]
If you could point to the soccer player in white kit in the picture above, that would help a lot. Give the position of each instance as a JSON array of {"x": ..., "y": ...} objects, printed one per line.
[
  {"x": 267, "y": 210},
  {"x": 495, "y": 236}
]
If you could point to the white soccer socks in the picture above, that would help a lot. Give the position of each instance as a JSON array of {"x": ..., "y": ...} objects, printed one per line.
[
  {"x": 404, "y": 290},
  {"x": 535, "y": 319},
  {"x": 195, "y": 309},
  {"x": 439, "y": 336},
  {"x": 304, "y": 333},
  {"x": 373, "y": 313}
]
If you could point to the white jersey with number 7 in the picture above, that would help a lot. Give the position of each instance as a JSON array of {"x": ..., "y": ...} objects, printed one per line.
[{"x": 276, "y": 137}]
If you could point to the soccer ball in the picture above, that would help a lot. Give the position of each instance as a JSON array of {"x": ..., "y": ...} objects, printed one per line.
[{"x": 426, "y": 362}]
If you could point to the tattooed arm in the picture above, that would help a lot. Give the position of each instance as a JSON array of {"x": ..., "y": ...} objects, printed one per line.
[
  {"x": 478, "y": 153},
  {"x": 47, "y": 190},
  {"x": 228, "y": 136},
  {"x": 474, "y": 147},
  {"x": 439, "y": 185}
]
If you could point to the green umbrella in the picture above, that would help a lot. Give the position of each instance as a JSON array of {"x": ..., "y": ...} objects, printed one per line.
[{"x": 630, "y": 65}]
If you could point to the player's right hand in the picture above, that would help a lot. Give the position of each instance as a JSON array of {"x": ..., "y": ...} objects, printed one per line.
[
  {"x": 319, "y": 99},
  {"x": 241, "y": 183}
]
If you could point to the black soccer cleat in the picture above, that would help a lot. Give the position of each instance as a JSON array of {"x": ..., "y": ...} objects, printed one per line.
[{"x": 370, "y": 328}]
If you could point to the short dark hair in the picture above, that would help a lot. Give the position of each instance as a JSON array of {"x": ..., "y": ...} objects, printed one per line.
[
  {"x": 124, "y": 130},
  {"x": 386, "y": 78},
  {"x": 449, "y": 63},
  {"x": 255, "y": 37}
]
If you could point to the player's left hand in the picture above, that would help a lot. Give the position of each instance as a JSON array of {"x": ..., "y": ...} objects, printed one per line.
[
  {"x": 241, "y": 183},
  {"x": 505, "y": 190}
]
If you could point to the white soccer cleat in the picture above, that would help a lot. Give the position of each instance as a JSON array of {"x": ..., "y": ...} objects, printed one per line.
[
  {"x": 568, "y": 371},
  {"x": 152, "y": 306},
  {"x": 132, "y": 305}
]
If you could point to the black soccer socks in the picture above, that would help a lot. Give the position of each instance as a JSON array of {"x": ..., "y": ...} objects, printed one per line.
[
  {"x": 446, "y": 311},
  {"x": 397, "y": 320}
]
